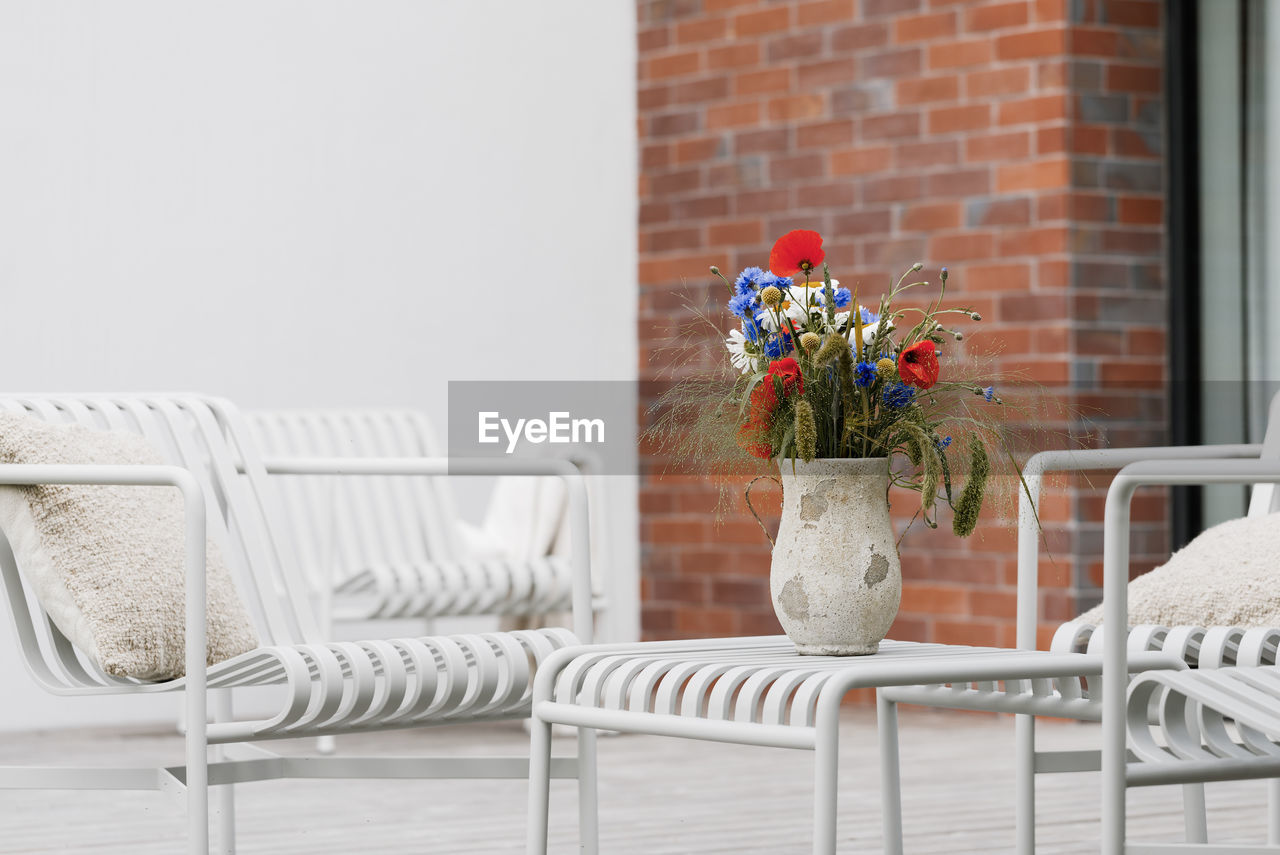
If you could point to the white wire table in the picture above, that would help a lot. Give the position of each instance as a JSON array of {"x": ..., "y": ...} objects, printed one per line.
[{"x": 759, "y": 691}]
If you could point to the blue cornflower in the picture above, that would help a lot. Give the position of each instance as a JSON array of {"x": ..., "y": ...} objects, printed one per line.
[
  {"x": 779, "y": 282},
  {"x": 943, "y": 443},
  {"x": 864, "y": 374},
  {"x": 742, "y": 305},
  {"x": 751, "y": 330},
  {"x": 868, "y": 317},
  {"x": 818, "y": 291},
  {"x": 747, "y": 279},
  {"x": 777, "y": 346},
  {"x": 989, "y": 392},
  {"x": 898, "y": 396}
]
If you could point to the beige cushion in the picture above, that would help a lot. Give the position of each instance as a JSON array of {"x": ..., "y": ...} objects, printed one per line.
[
  {"x": 1228, "y": 576},
  {"x": 106, "y": 563}
]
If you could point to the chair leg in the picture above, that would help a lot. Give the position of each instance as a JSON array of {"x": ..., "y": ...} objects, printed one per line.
[
  {"x": 539, "y": 786},
  {"x": 197, "y": 757},
  {"x": 224, "y": 796},
  {"x": 588, "y": 799},
  {"x": 1024, "y": 778},
  {"x": 1113, "y": 799},
  {"x": 890, "y": 778},
  {"x": 1193, "y": 813}
]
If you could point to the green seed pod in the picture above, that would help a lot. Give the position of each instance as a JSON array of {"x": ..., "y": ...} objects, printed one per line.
[
  {"x": 831, "y": 347},
  {"x": 806, "y": 431},
  {"x": 913, "y": 451},
  {"x": 969, "y": 504},
  {"x": 848, "y": 397},
  {"x": 932, "y": 475},
  {"x": 887, "y": 370}
]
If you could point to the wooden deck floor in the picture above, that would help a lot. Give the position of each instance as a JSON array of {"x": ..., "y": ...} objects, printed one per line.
[{"x": 657, "y": 796}]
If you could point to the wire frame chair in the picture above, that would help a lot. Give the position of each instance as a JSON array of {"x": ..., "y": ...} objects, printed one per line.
[
  {"x": 388, "y": 548},
  {"x": 1212, "y": 723},
  {"x": 1185, "y": 647},
  {"x": 324, "y": 687}
]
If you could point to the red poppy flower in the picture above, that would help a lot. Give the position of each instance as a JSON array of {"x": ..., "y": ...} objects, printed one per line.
[
  {"x": 788, "y": 370},
  {"x": 918, "y": 365},
  {"x": 753, "y": 438},
  {"x": 798, "y": 251},
  {"x": 763, "y": 402},
  {"x": 753, "y": 434}
]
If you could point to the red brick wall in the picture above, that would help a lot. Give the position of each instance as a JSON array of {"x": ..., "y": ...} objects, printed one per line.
[{"x": 1019, "y": 143}]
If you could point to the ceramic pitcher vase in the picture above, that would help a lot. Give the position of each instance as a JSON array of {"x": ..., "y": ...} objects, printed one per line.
[{"x": 835, "y": 578}]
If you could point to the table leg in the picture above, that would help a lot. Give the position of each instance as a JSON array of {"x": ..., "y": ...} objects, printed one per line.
[
  {"x": 1273, "y": 811},
  {"x": 1193, "y": 812},
  {"x": 588, "y": 803},
  {"x": 826, "y": 778},
  {"x": 890, "y": 779},
  {"x": 1024, "y": 780}
]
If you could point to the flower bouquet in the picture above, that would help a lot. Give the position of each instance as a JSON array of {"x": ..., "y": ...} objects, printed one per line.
[
  {"x": 849, "y": 400},
  {"x": 823, "y": 376}
]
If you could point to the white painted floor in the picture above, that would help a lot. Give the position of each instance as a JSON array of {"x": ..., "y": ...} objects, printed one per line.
[{"x": 657, "y": 796}]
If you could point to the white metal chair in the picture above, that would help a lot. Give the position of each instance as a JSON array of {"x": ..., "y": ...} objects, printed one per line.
[
  {"x": 325, "y": 687},
  {"x": 1211, "y": 724},
  {"x": 1198, "y": 647},
  {"x": 389, "y": 548},
  {"x": 385, "y": 548}
]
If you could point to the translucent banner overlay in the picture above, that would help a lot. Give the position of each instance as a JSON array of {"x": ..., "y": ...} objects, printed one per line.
[
  {"x": 668, "y": 427},
  {"x": 591, "y": 422}
]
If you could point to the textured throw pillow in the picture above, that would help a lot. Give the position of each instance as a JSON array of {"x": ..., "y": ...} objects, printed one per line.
[
  {"x": 1228, "y": 576},
  {"x": 107, "y": 563}
]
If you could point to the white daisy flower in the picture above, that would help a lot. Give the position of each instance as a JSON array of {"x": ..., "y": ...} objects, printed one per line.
[
  {"x": 870, "y": 321},
  {"x": 736, "y": 344},
  {"x": 817, "y": 290},
  {"x": 792, "y": 307}
]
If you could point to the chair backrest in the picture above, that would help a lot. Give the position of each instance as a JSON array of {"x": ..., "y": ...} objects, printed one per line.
[
  {"x": 208, "y": 437},
  {"x": 341, "y": 525}
]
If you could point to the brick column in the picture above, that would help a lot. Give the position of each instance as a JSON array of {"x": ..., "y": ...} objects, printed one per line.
[{"x": 1019, "y": 143}]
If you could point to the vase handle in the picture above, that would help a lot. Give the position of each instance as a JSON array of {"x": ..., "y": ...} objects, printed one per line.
[{"x": 747, "y": 496}]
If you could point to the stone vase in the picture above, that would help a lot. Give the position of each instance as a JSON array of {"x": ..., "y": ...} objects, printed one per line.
[{"x": 836, "y": 579}]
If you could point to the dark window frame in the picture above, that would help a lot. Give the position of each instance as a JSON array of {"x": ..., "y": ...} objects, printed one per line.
[{"x": 1182, "y": 62}]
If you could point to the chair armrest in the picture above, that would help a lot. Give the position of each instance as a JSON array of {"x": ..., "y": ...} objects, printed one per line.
[
  {"x": 147, "y": 475},
  {"x": 579, "y": 544},
  {"x": 1151, "y": 473},
  {"x": 1077, "y": 461}
]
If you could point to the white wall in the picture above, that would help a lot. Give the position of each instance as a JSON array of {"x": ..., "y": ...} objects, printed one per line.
[{"x": 299, "y": 203}]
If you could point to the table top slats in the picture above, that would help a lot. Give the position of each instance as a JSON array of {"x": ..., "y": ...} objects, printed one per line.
[{"x": 763, "y": 680}]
